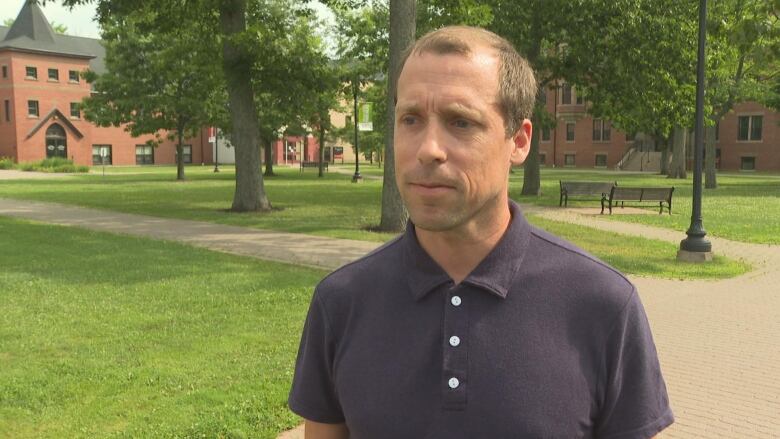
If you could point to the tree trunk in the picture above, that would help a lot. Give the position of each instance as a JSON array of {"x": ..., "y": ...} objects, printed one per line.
[
  {"x": 665, "y": 156},
  {"x": 710, "y": 173},
  {"x": 677, "y": 167},
  {"x": 269, "y": 158},
  {"x": 321, "y": 154},
  {"x": 402, "y": 30},
  {"x": 180, "y": 156},
  {"x": 236, "y": 64}
]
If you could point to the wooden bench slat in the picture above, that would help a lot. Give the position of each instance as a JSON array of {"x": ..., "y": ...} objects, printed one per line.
[
  {"x": 595, "y": 188},
  {"x": 623, "y": 194}
]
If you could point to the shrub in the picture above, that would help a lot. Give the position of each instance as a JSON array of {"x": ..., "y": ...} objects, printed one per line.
[
  {"x": 6, "y": 163},
  {"x": 54, "y": 164}
]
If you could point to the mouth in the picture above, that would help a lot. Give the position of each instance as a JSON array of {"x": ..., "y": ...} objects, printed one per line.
[{"x": 430, "y": 188}]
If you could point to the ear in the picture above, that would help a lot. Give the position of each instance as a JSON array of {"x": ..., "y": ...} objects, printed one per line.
[{"x": 521, "y": 143}]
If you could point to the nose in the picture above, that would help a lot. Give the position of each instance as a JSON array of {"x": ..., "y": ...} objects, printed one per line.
[{"x": 431, "y": 148}]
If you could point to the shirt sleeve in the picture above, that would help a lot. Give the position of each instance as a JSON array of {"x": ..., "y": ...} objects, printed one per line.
[
  {"x": 313, "y": 393},
  {"x": 635, "y": 404}
]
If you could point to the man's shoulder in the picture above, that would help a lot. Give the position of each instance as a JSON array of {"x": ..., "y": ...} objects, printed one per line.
[
  {"x": 564, "y": 264},
  {"x": 363, "y": 272}
]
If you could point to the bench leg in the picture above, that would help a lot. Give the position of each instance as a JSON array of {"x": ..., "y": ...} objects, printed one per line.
[
  {"x": 660, "y": 212},
  {"x": 560, "y": 202}
]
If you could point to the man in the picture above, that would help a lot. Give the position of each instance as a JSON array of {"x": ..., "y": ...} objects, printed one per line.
[{"x": 473, "y": 324}]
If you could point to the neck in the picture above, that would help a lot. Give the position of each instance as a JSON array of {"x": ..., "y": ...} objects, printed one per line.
[{"x": 459, "y": 251}]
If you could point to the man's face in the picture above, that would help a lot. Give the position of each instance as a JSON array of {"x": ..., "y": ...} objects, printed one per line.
[{"x": 452, "y": 156}]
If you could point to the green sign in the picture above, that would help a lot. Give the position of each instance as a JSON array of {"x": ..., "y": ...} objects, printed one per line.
[{"x": 364, "y": 117}]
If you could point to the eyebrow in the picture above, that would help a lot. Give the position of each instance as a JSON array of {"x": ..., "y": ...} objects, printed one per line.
[
  {"x": 454, "y": 109},
  {"x": 459, "y": 110}
]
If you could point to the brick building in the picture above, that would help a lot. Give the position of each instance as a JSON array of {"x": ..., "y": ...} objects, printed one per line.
[
  {"x": 748, "y": 138},
  {"x": 40, "y": 92}
]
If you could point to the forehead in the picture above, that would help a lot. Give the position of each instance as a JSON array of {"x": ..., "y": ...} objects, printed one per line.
[{"x": 472, "y": 76}]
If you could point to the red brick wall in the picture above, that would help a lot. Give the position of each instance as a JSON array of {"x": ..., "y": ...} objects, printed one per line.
[
  {"x": 766, "y": 151},
  {"x": 15, "y": 138}
]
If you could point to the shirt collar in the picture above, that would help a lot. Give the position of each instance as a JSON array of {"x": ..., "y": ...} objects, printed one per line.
[{"x": 494, "y": 274}]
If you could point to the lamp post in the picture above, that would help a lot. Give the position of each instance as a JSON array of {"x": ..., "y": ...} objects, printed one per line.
[
  {"x": 357, "y": 177},
  {"x": 216, "y": 149},
  {"x": 695, "y": 248}
]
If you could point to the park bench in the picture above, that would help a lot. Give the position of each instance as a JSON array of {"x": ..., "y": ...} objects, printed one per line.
[
  {"x": 620, "y": 195},
  {"x": 315, "y": 165},
  {"x": 588, "y": 188}
]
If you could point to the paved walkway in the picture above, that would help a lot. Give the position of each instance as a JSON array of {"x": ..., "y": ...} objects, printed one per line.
[{"x": 718, "y": 341}]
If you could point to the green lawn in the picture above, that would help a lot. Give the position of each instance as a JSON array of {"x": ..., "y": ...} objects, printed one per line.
[
  {"x": 745, "y": 207},
  {"x": 112, "y": 336},
  {"x": 333, "y": 206},
  {"x": 640, "y": 256}
]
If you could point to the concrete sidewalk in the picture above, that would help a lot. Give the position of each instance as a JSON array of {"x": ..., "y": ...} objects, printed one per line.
[{"x": 717, "y": 340}]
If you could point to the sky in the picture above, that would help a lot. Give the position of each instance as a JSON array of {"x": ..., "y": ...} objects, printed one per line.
[{"x": 79, "y": 20}]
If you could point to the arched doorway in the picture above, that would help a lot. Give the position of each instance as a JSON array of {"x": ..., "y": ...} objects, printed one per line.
[{"x": 56, "y": 142}]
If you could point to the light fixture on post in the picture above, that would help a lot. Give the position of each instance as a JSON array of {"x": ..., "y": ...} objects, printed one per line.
[{"x": 695, "y": 248}]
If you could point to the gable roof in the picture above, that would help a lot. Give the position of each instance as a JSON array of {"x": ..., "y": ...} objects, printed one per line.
[
  {"x": 59, "y": 118},
  {"x": 31, "y": 32}
]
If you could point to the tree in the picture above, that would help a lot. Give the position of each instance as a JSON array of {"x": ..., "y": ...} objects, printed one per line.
[
  {"x": 640, "y": 70},
  {"x": 743, "y": 37},
  {"x": 402, "y": 33},
  {"x": 157, "y": 79},
  {"x": 56, "y": 27},
  {"x": 228, "y": 18}
]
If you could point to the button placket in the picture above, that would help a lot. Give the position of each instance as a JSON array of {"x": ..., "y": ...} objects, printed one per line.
[{"x": 455, "y": 358}]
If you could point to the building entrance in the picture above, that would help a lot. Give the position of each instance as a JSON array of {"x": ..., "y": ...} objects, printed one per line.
[{"x": 56, "y": 142}]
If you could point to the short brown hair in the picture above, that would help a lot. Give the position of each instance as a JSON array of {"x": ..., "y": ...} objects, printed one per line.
[{"x": 516, "y": 82}]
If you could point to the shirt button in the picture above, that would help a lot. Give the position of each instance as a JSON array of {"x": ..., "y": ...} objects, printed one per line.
[
  {"x": 454, "y": 383},
  {"x": 454, "y": 340},
  {"x": 455, "y": 301}
]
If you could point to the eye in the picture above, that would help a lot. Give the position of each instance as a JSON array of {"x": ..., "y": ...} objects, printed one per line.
[
  {"x": 408, "y": 119},
  {"x": 462, "y": 123}
]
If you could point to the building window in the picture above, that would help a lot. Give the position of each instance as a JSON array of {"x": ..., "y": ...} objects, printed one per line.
[
  {"x": 580, "y": 99},
  {"x": 601, "y": 160},
  {"x": 566, "y": 94},
  {"x": 75, "y": 110},
  {"x": 73, "y": 76},
  {"x": 749, "y": 128},
  {"x": 31, "y": 72},
  {"x": 602, "y": 131},
  {"x": 568, "y": 159},
  {"x": 5, "y": 71},
  {"x": 144, "y": 155},
  {"x": 7, "y": 110},
  {"x": 32, "y": 108},
  {"x": 545, "y": 134},
  {"x": 101, "y": 154},
  {"x": 717, "y": 131},
  {"x": 748, "y": 163},
  {"x": 54, "y": 75},
  {"x": 187, "y": 156},
  {"x": 570, "y": 132},
  {"x": 542, "y": 158}
]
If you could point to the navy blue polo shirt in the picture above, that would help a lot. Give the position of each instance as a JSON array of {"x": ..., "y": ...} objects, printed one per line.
[{"x": 541, "y": 340}]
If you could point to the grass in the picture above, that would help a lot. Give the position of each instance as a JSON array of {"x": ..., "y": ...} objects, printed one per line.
[
  {"x": 744, "y": 207},
  {"x": 333, "y": 206},
  {"x": 121, "y": 337},
  {"x": 640, "y": 256}
]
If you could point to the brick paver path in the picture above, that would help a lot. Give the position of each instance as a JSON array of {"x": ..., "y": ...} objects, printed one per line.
[{"x": 718, "y": 341}]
